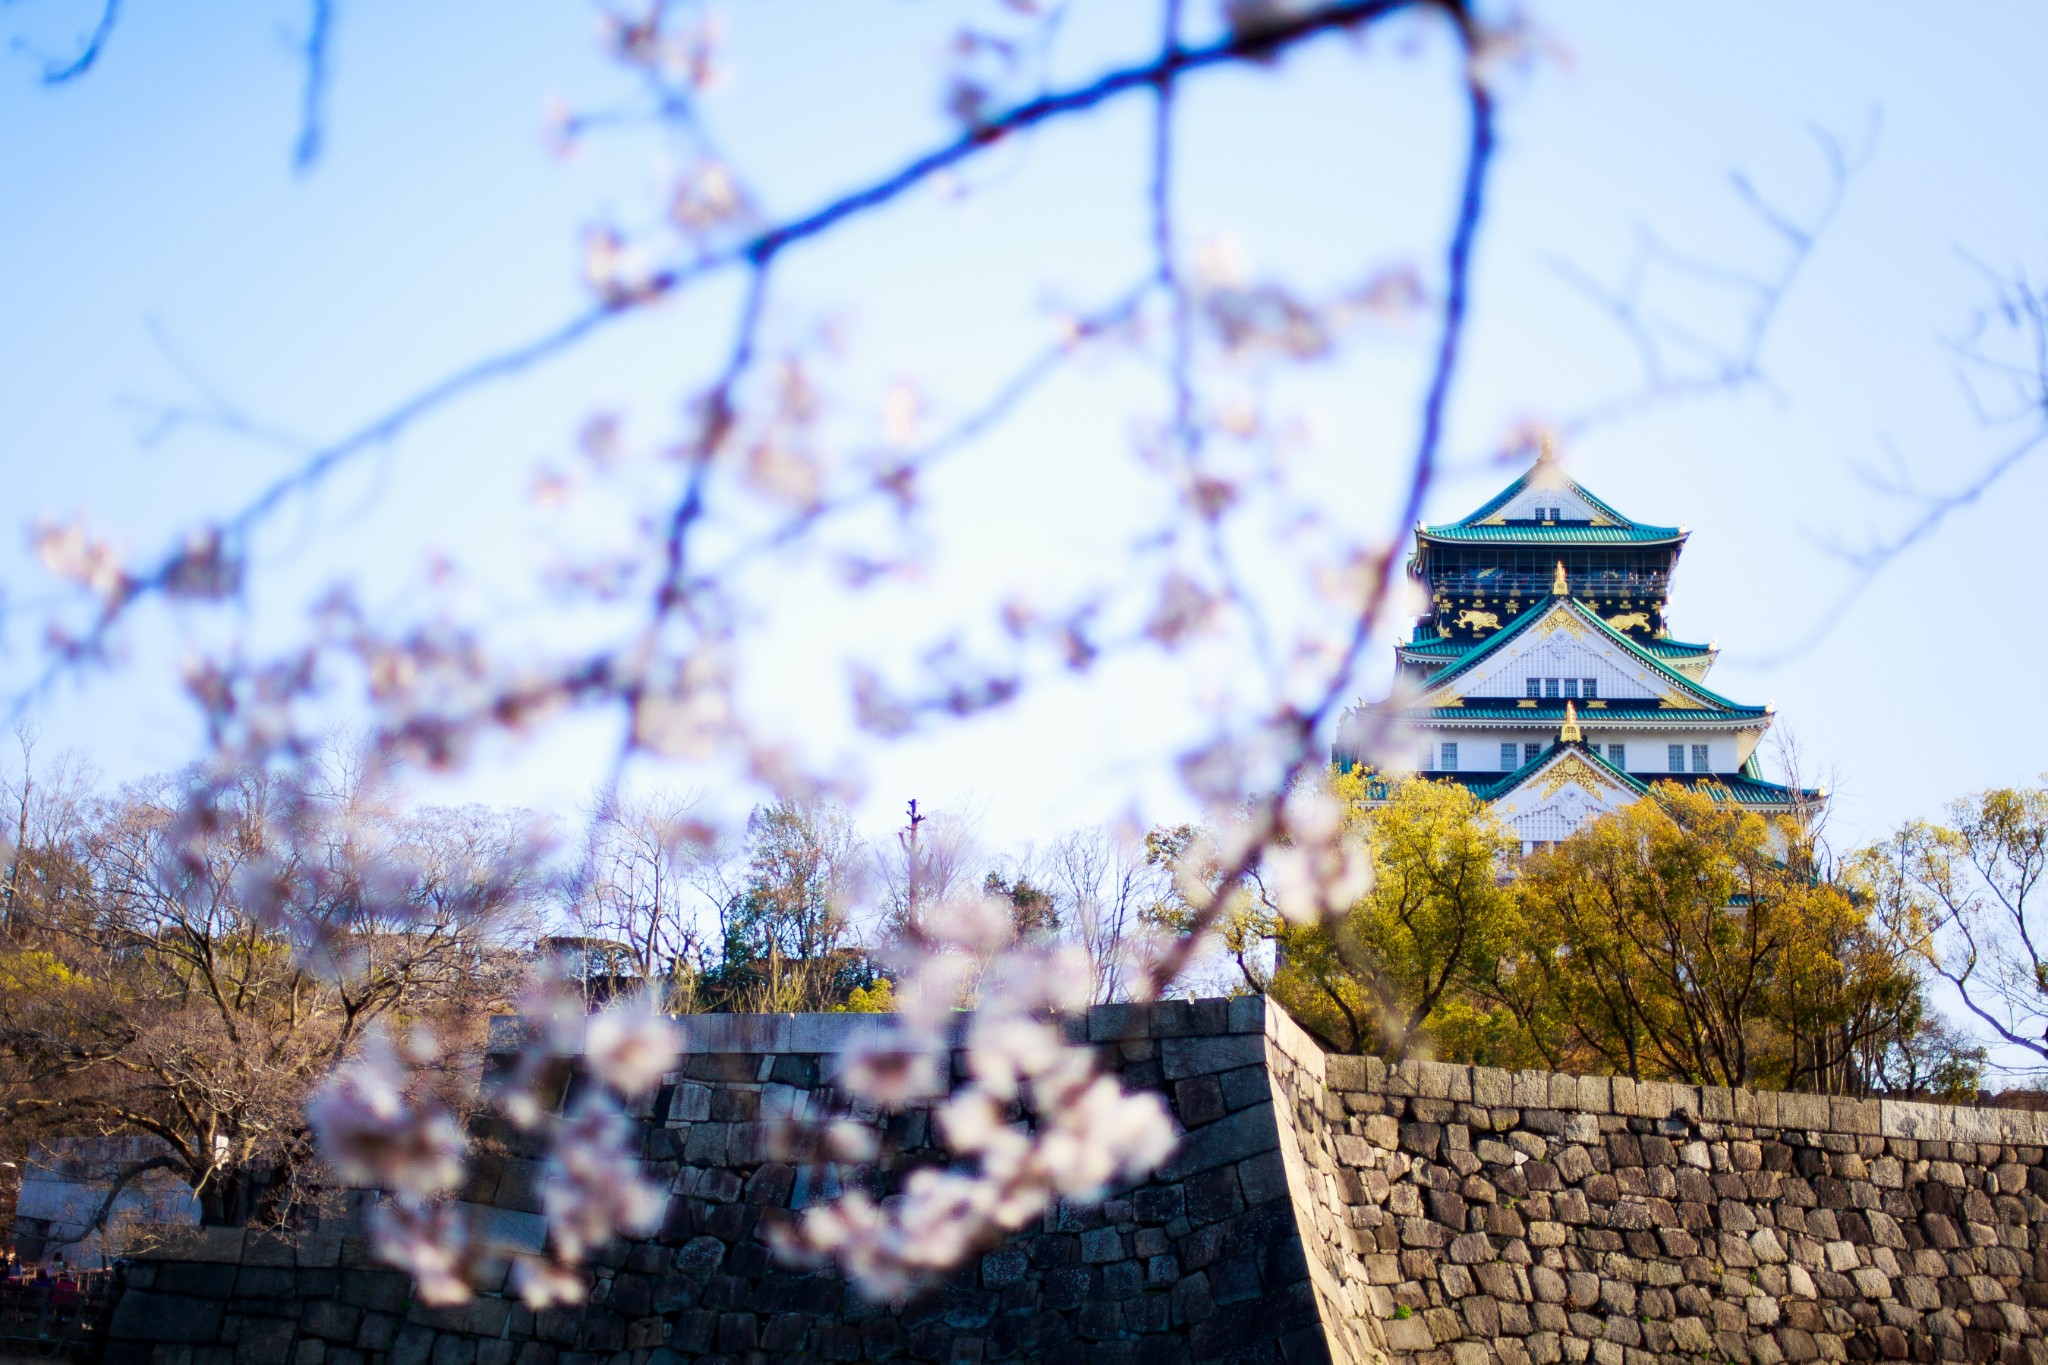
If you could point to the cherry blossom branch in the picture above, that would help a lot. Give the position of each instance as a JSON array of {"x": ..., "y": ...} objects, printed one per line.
[
  {"x": 1271, "y": 36},
  {"x": 1301, "y": 726}
]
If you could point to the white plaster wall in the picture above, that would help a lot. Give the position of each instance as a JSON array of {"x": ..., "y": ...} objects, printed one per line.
[
  {"x": 1563, "y": 655},
  {"x": 1479, "y": 750},
  {"x": 1537, "y": 494}
]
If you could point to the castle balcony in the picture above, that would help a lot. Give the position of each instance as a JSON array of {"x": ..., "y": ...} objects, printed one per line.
[{"x": 1647, "y": 584}]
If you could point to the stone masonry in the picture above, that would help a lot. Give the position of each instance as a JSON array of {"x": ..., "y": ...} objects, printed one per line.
[
  {"x": 1200, "y": 1263},
  {"x": 1320, "y": 1207}
]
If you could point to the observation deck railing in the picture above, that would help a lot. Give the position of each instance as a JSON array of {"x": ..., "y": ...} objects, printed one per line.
[{"x": 1519, "y": 583}]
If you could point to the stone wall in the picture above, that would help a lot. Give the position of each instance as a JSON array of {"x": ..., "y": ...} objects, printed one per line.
[
  {"x": 1476, "y": 1216},
  {"x": 1319, "y": 1207},
  {"x": 1200, "y": 1263}
]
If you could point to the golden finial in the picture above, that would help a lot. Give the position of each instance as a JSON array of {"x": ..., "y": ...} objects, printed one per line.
[
  {"x": 1545, "y": 451},
  {"x": 1560, "y": 586},
  {"x": 1569, "y": 733}
]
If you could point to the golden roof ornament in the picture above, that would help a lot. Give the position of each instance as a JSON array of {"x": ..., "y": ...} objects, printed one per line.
[
  {"x": 1569, "y": 732},
  {"x": 1560, "y": 586},
  {"x": 1545, "y": 451}
]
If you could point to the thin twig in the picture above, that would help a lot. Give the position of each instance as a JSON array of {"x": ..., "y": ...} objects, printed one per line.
[
  {"x": 56, "y": 73},
  {"x": 1260, "y": 44},
  {"x": 313, "y": 95},
  {"x": 1303, "y": 724}
]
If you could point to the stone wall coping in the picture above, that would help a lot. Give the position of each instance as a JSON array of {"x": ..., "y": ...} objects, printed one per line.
[
  {"x": 749, "y": 1033},
  {"x": 833, "y": 1033},
  {"x": 1496, "y": 1088}
]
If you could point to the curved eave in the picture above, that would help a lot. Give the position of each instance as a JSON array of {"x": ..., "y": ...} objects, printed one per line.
[
  {"x": 1509, "y": 715},
  {"x": 1549, "y": 537},
  {"x": 1436, "y": 651},
  {"x": 1674, "y": 649},
  {"x": 1448, "y": 651},
  {"x": 1750, "y": 792}
]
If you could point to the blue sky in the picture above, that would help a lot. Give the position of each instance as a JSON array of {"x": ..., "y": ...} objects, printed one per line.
[{"x": 154, "y": 238}]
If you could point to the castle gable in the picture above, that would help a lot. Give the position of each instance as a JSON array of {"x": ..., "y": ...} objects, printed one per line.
[
  {"x": 1553, "y": 501},
  {"x": 1563, "y": 641},
  {"x": 1559, "y": 792}
]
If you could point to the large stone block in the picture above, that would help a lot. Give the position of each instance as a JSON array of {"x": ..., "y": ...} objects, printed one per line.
[
  {"x": 143, "y": 1315},
  {"x": 1847, "y": 1115},
  {"x": 1344, "y": 1072},
  {"x": 1227, "y": 1141},
  {"x": 1809, "y": 1112},
  {"x": 1492, "y": 1087},
  {"x": 1184, "y": 1057}
]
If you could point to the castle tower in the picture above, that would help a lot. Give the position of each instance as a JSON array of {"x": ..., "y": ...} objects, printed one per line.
[{"x": 1542, "y": 675}]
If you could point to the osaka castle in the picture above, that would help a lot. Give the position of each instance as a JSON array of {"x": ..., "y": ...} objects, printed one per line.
[{"x": 1543, "y": 677}]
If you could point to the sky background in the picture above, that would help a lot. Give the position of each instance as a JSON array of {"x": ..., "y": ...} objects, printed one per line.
[{"x": 156, "y": 248}]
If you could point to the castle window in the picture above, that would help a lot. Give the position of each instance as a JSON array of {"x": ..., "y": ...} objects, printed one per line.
[
  {"x": 1450, "y": 761},
  {"x": 1571, "y": 686},
  {"x": 1533, "y": 687},
  {"x": 1507, "y": 757},
  {"x": 1530, "y": 752},
  {"x": 1677, "y": 757},
  {"x": 1593, "y": 749},
  {"x": 1587, "y": 689},
  {"x": 1699, "y": 759},
  {"x": 1550, "y": 687},
  {"x": 1428, "y": 761},
  {"x": 1617, "y": 754}
]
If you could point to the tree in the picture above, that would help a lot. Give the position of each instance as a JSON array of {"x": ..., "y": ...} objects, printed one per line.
[
  {"x": 787, "y": 938},
  {"x": 1106, "y": 888},
  {"x": 1392, "y": 973},
  {"x": 1683, "y": 937},
  {"x": 1033, "y": 911},
  {"x": 648, "y": 878},
  {"x": 210, "y": 975},
  {"x": 1965, "y": 892}
]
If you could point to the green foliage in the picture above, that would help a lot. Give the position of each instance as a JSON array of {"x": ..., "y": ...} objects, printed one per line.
[
  {"x": 1686, "y": 939},
  {"x": 876, "y": 998},
  {"x": 1386, "y": 976},
  {"x": 1032, "y": 909},
  {"x": 787, "y": 946},
  {"x": 1679, "y": 938}
]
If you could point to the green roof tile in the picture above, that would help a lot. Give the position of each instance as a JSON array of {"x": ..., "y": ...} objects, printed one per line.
[
  {"x": 1569, "y": 533},
  {"x": 1507, "y": 495},
  {"x": 1436, "y": 647}
]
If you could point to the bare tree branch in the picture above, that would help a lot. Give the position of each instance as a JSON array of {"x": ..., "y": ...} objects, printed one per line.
[
  {"x": 57, "y": 73},
  {"x": 115, "y": 1189},
  {"x": 313, "y": 95},
  {"x": 756, "y": 253}
]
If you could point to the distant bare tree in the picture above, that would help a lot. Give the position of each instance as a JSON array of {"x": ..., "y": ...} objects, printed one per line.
[
  {"x": 1968, "y": 893},
  {"x": 653, "y": 879},
  {"x": 1103, "y": 883},
  {"x": 206, "y": 974},
  {"x": 952, "y": 861}
]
